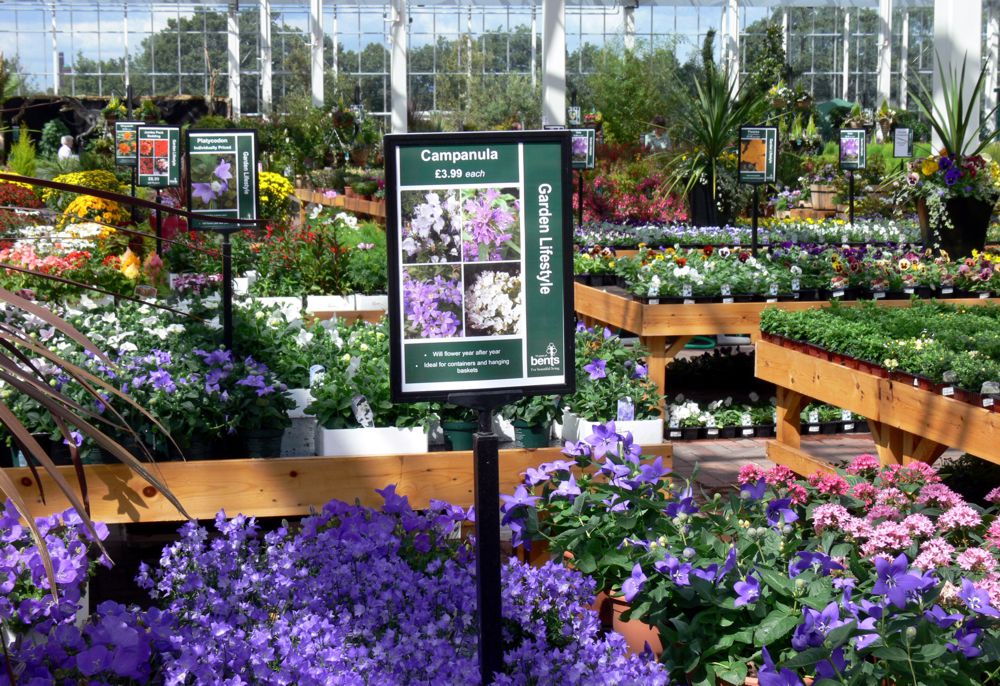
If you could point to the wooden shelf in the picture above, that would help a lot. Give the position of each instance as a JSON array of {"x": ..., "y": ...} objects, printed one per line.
[
  {"x": 280, "y": 487},
  {"x": 654, "y": 324},
  {"x": 908, "y": 424},
  {"x": 372, "y": 208}
]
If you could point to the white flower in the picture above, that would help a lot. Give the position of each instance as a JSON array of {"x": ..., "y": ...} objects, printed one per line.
[{"x": 494, "y": 303}]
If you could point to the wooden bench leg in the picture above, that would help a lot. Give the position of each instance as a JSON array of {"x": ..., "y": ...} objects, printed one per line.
[
  {"x": 888, "y": 442},
  {"x": 659, "y": 356},
  {"x": 788, "y": 424},
  {"x": 919, "y": 449}
]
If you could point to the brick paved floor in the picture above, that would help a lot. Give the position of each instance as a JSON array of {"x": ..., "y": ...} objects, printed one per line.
[{"x": 719, "y": 461}]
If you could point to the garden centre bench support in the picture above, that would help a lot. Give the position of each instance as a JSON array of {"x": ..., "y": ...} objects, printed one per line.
[
  {"x": 371, "y": 208},
  {"x": 654, "y": 324},
  {"x": 908, "y": 424},
  {"x": 280, "y": 487}
]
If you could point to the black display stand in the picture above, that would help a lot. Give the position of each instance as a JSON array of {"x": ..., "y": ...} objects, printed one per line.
[{"x": 486, "y": 472}]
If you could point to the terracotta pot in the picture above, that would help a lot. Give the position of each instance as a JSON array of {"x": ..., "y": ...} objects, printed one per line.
[{"x": 636, "y": 633}]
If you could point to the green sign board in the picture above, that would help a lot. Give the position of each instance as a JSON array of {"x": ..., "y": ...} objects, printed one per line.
[
  {"x": 902, "y": 142},
  {"x": 583, "y": 145},
  {"x": 853, "y": 149},
  {"x": 159, "y": 156},
  {"x": 222, "y": 176},
  {"x": 480, "y": 263},
  {"x": 125, "y": 142},
  {"x": 758, "y": 161}
]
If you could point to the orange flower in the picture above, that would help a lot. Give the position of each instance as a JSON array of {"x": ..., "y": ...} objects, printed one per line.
[{"x": 680, "y": 261}]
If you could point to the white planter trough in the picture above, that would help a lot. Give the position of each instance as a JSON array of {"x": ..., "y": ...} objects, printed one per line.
[
  {"x": 644, "y": 431},
  {"x": 291, "y": 307},
  {"x": 241, "y": 285},
  {"x": 371, "y": 302},
  {"x": 330, "y": 303},
  {"x": 300, "y": 438},
  {"x": 374, "y": 441}
]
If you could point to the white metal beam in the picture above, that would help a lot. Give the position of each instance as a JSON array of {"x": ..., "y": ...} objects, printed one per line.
[
  {"x": 233, "y": 54},
  {"x": 56, "y": 76},
  {"x": 993, "y": 54},
  {"x": 731, "y": 40},
  {"x": 628, "y": 23},
  {"x": 846, "y": 77},
  {"x": 316, "y": 51},
  {"x": 266, "y": 85},
  {"x": 554, "y": 62},
  {"x": 884, "y": 73},
  {"x": 904, "y": 62},
  {"x": 956, "y": 22},
  {"x": 398, "y": 67}
]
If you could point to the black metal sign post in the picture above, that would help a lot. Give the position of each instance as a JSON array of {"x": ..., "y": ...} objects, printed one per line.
[
  {"x": 486, "y": 474},
  {"x": 758, "y": 162},
  {"x": 159, "y": 229},
  {"x": 227, "y": 288},
  {"x": 753, "y": 222},
  {"x": 850, "y": 195},
  {"x": 579, "y": 201}
]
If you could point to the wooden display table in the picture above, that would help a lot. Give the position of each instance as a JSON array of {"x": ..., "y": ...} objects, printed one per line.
[
  {"x": 372, "y": 208},
  {"x": 655, "y": 324},
  {"x": 908, "y": 424},
  {"x": 280, "y": 487}
]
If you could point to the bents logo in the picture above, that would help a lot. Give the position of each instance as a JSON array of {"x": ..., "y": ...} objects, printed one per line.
[{"x": 549, "y": 359}]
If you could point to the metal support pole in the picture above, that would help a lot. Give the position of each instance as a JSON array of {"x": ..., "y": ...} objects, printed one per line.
[
  {"x": 132, "y": 191},
  {"x": 753, "y": 225},
  {"x": 850, "y": 194},
  {"x": 159, "y": 229},
  {"x": 227, "y": 291},
  {"x": 486, "y": 471},
  {"x": 579, "y": 200}
]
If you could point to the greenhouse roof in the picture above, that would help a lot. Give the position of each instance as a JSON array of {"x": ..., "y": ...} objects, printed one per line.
[{"x": 97, "y": 4}]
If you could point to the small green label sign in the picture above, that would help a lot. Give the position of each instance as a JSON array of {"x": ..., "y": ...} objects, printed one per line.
[
  {"x": 222, "y": 176},
  {"x": 479, "y": 241},
  {"x": 125, "y": 142},
  {"x": 758, "y": 160},
  {"x": 853, "y": 149},
  {"x": 583, "y": 145},
  {"x": 159, "y": 156}
]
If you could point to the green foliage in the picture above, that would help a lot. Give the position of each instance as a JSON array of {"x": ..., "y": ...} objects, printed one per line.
[
  {"x": 953, "y": 122},
  {"x": 52, "y": 134},
  {"x": 630, "y": 87},
  {"x": 766, "y": 59},
  {"x": 213, "y": 121},
  {"x": 500, "y": 101},
  {"x": 22, "y": 154}
]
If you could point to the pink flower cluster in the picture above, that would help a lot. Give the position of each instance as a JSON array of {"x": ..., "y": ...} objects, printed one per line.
[{"x": 24, "y": 255}]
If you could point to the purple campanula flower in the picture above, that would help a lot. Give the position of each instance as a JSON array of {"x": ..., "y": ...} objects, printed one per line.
[
  {"x": 895, "y": 581},
  {"x": 769, "y": 675},
  {"x": 604, "y": 439},
  {"x": 977, "y": 599},
  {"x": 747, "y": 591},
  {"x": 779, "y": 512},
  {"x": 754, "y": 491},
  {"x": 632, "y": 585},
  {"x": 597, "y": 369}
]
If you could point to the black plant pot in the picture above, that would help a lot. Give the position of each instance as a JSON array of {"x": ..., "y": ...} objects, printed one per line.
[
  {"x": 262, "y": 442},
  {"x": 702, "y": 209},
  {"x": 971, "y": 218}
]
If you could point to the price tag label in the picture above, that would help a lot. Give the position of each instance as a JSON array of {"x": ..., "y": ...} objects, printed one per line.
[
  {"x": 686, "y": 290},
  {"x": 814, "y": 428},
  {"x": 316, "y": 374},
  {"x": 846, "y": 415},
  {"x": 909, "y": 291},
  {"x": 713, "y": 432},
  {"x": 674, "y": 423},
  {"x": 878, "y": 295},
  {"x": 843, "y": 239},
  {"x": 987, "y": 402},
  {"x": 654, "y": 301},
  {"x": 689, "y": 302},
  {"x": 747, "y": 432},
  {"x": 725, "y": 289},
  {"x": 675, "y": 434},
  {"x": 626, "y": 409},
  {"x": 765, "y": 239},
  {"x": 948, "y": 391},
  {"x": 745, "y": 419},
  {"x": 837, "y": 294},
  {"x": 771, "y": 300},
  {"x": 363, "y": 411},
  {"x": 947, "y": 290},
  {"x": 916, "y": 383},
  {"x": 813, "y": 416},
  {"x": 772, "y": 289},
  {"x": 737, "y": 240},
  {"x": 727, "y": 300},
  {"x": 984, "y": 295},
  {"x": 710, "y": 421},
  {"x": 849, "y": 426},
  {"x": 795, "y": 285}
]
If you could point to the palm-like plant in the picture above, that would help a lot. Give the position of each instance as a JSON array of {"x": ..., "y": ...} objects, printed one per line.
[
  {"x": 710, "y": 125},
  {"x": 952, "y": 122}
]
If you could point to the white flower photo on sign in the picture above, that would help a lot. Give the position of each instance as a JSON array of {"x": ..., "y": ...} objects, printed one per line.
[{"x": 494, "y": 300}]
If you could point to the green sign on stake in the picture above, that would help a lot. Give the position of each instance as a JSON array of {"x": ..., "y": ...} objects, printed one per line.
[
  {"x": 159, "y": 156},
  {"x": 584, "y": 145},
  {"x": 479, "y": 233},
  {"x": 125, "y": 142},
  {"x": 853, "y": 149},
  {"x": 222, "y": 176},
  {"x": 758, "y": 161}
]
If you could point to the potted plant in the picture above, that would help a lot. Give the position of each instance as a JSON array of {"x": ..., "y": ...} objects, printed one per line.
[
  {"x": 955, "y": 188},
  {"x": 459, "y": 425},
  {"x": 532, "y": 418},
  {"x": 352, "y": 403},
  {"x": 612, "y": 384},
  {"x": 114, "y": 110}
]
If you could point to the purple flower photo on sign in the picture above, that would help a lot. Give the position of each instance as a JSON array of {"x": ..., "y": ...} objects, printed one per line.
[
  {"x": 212, "y": 185},
  {"x": 850, "y": 148},
  {"x": 491, "y": 228},
  {"x": 432, "y": 302}
]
